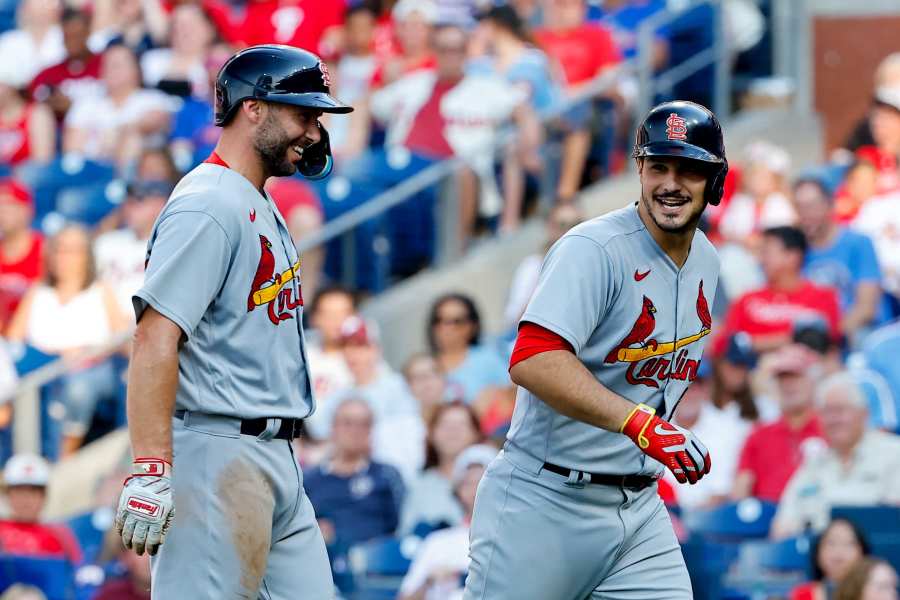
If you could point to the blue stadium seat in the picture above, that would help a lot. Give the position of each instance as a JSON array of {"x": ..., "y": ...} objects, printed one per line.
[
  {"x": 27, "y": 358},
  {"x": 378, "y": 566},
  {"x": 53, "y": 576},
  {"x": 89, "y": 528},
  {"x": 879, "y": 523},
  {"x": 745, "y": 519},
  {"x": 48, "y": 181},
  {"x": 790, "y": 555}
]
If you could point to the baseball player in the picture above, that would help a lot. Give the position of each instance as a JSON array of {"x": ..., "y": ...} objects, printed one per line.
[
  {"x": 218, "y": 382},
  {"x": 610, "y": 341}
]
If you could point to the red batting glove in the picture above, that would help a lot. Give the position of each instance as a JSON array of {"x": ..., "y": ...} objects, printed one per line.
[{"x": 675, "y": 447}]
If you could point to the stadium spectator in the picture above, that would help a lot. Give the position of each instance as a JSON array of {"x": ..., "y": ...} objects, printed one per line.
[
  {"x": 442, "y": 560},
  {"x": 512, "y": 55},
  {"x": 723, "y": 432},
  {"x": 860, "y": 184},
  {"x": 774, "y": 451},
  {"x": 136, "y": 24},
  {"x": 68, "y": 313},
  {"x": 561, "y": 219},
  {"x": 398, "y": 437},
  {"x": 135, "y": 582},
  {"x": 353, "y": 79},
  {"x": 582, "y": 50},
  {"x": 624, "y": 17},
  {"x": 834, "y": 553},
  {"x": 194, "y": 134},
  {"x": 180, "y": 67},
  {"x": 887, "y": 76},
  {"x": 27, "y": 129},
  {"x": 36, "y": 43},
  {"x": 329, "y": 309},
  {"x": 454, "y": 337},
  {"x": 156, "y": 163},
  {"x": 453, "y": 428},
  {"x": 302, "y": 212},
  {"x": 413, "y": 21},
  {"x": 869, "y": 579},
  {"x": 300, "y": 23},
  {"x": 25, "y": 477},
  {"x": 884, "y": 123},
  {"x": 731, "y": 382},
  {"x": 21, "y": 248},
  {"x": 426, "y": 383},
  {"x": 355, "y": 498},
  {"x": 769, "y": 314},
  {"x": 77, "y": 76},
  {"x": 764, "y": 202},
  {"x": 113, "y": 127},
  {"x": 122, "y": 253},
  {"x": 857, "y": 469},
  {"x": 840, "y": 259}
]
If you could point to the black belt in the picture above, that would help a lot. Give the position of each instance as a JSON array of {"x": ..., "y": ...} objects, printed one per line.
[
  {"x": 634, "y": 482},
  {"x": 290, "y": 428}
]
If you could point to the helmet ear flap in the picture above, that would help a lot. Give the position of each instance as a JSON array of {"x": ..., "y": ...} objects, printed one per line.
[{"x": 715, "y": 186}]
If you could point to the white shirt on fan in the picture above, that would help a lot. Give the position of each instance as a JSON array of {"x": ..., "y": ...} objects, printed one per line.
[
  {"x": 120, "y": 258},
  {"x": 54, "y": 326}
]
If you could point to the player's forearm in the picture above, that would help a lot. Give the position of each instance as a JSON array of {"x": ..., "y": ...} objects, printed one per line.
[
  {"x": 152, "y": 382},
  {"x": 562, "y": 381}
]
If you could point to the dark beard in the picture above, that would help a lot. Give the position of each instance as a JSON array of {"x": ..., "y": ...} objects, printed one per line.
[
  {"x": 272, "y": 145},
  {"x": 689, "y": 225}
]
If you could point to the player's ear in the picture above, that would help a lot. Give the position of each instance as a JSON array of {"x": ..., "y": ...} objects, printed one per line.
[{"x": 253, "y": 109}]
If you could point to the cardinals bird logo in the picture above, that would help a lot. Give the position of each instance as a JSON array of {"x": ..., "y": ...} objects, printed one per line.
[
  {"x": 642, "y": 329},
  {"x": 647, "y": 357},
  {"x": 269, "y": 287}
]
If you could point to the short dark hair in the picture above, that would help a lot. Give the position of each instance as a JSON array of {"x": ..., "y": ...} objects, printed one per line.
[
  {"x": 74, "y": 14},
  {"x": 816, "y": 181},
  {"x": 362, "y": 7},
  {"x": 790, "y": 237},
  {"x": 331, "y": 290}
]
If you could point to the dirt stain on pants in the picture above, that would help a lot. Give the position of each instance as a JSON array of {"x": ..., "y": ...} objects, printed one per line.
[{"x": 247, "y": 496}]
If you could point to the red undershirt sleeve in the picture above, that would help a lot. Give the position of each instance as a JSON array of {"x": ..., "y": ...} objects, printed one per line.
[{"x": 533, "y": 339}]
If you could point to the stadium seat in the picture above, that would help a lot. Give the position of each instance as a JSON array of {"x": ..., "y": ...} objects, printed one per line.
[
  {"x": 790, "y": 555},
  {"x": 27, "y": 358},
  {"x": 879, "y": 523},
  {"x": 89, "y": 528},
  {"x": 379, "y": 566},
  {"x": 53, "y": 576},
  {"x": 745, "y": 519}
]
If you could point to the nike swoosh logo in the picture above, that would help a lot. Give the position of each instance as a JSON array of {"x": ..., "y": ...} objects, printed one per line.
[
  {"x": 253, "y": 217},
  {"x": 640, "y": 276}
]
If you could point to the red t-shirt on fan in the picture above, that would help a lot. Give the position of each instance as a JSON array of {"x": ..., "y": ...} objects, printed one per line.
[
  {"x": 38, "y": 539},
  {"x": 75, "y": 78},
  {"x": 766, "y": 311},
  {"x": 581, "y": 52},
  {"x": 17, "y": 276},
  {"x": 295, "y": 22},
  {"x": 15, "y": 144}
]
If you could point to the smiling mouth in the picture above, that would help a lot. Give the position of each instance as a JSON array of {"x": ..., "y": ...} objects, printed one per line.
[{"x": 672, "y": 202}]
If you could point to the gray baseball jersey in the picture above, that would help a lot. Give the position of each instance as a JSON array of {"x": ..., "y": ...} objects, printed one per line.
[
  {"x": 221, "y": 264},
  {"x": 638, "y": 322}
]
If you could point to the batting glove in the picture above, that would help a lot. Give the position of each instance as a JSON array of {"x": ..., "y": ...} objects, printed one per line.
[
  {"x": 145, "y": 506},
  {"x": 675, "y": 447}
]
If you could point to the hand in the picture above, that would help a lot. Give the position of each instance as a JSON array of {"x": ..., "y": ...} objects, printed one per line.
[
  {"x": 145, "y": 510},
  {"x": 675, "y": 447}
]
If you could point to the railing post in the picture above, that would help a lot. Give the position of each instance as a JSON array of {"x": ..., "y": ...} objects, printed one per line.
[
  {"x": 348, "y": 259},
  {"x": 646, "y": 84},
  {"x": 722, "y": 53},
  {"x": 26, "y": 423}
]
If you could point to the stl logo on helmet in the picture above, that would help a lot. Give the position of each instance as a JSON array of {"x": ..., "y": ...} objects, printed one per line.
[
  {"x": 326, "y": 76},
  {"x": 269, "y": 288},
  {"x": 676, "y": 128}
]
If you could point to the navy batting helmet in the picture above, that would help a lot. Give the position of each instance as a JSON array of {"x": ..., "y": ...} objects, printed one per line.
[
  {"x": 686, "y": 130},
  {"x": 274, "y": 73}
]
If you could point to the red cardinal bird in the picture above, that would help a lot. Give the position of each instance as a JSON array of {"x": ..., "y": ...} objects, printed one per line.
[
  {"x": 643, "y": 327},
  {"x": 703, "y": 309},
  {"x": 264, "y": 272}
]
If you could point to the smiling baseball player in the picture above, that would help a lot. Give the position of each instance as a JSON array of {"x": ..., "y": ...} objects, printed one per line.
[
  {"x": 218, "y": 382},
  {"x": 611, "y": 339}
]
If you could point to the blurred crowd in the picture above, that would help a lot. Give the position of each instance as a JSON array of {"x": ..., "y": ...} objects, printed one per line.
[{"x": 105, "y": 103}]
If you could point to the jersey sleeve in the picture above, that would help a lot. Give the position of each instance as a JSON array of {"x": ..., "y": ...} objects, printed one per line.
[
  {"x": 187, "y": 260},
  {"x": 574, "y": 291}
]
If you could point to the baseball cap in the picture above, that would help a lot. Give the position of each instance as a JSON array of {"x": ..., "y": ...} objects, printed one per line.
[
  {"x": 477, "y": 455},
  {"x": 16, "y": 191},
  {"x": 26, "y": 469},
  {"x": 888, "y": 96},
  {"x": 356, "y": 330},
  {"x": 739, "y": 350},
  {"x": 427, "y": 9},
  {"x": 793, "y": 358}
]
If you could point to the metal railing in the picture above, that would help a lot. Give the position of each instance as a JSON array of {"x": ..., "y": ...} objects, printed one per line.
[{"x": 26, "y": 422}]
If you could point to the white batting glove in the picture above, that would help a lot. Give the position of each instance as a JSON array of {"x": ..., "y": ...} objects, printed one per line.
[{"x": 145, "y": 506}]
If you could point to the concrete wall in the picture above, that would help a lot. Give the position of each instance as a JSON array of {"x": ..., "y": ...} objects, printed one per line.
[{"x": 485, "y": 273}]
